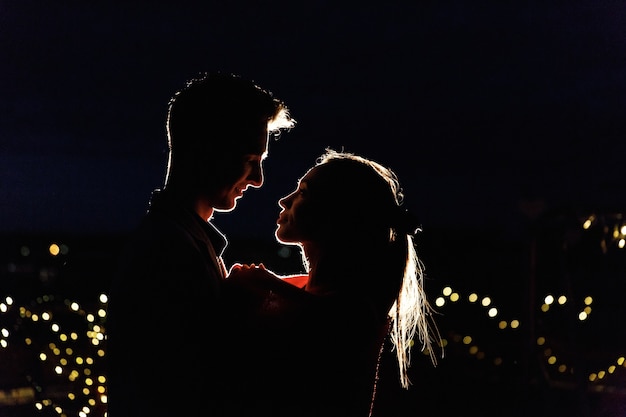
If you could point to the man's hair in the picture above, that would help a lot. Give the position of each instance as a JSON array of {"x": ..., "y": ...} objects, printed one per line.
[{"x": 214, "y": 107}]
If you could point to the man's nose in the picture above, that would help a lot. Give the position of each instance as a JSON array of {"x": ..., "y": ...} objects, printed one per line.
[{"x": 256, "y": 177}]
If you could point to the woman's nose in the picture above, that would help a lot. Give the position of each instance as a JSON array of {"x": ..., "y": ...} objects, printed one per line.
[{"x": 285, "y": 202}]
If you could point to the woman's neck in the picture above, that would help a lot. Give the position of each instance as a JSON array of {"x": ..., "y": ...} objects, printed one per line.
[
  {"x": 316, "y": 283},
  {"x": 328, "y": 270}
]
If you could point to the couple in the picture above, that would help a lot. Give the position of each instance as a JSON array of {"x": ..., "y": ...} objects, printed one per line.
[{"x": 187, "y": 337}]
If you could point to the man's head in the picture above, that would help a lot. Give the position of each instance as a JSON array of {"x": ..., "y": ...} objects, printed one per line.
[{"x": 218, "y": 127}]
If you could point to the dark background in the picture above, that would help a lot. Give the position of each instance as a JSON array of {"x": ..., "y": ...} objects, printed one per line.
[
  {"x": 504, "y": 121},
  {"x": 478, "y": 105}
]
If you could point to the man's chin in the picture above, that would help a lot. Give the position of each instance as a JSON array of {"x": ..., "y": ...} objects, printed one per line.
[{"x": 226, "y": 207}]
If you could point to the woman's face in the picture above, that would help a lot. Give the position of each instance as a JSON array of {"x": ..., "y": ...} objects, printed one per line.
[{"x": 304, "y": 212}]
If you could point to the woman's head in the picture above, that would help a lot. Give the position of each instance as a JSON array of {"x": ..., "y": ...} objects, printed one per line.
[
  {"x": 347, "y": 211},
  {"x": 343, "y": 199}
]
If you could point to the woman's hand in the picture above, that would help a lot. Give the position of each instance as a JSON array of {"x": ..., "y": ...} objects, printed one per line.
[
  {"x": 245, "y": 267},
  {"x": 250, "y": 272},
  {"x": 254, "y": 278}
]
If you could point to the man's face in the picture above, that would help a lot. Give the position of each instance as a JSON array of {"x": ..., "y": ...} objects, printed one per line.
[{"x": 238, "y": 170}]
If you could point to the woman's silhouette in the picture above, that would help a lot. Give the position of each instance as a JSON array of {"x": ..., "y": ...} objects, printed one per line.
[{"x": 311, "y": 344}]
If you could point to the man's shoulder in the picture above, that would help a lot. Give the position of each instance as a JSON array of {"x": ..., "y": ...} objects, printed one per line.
[{"x": 160, "y": 229}]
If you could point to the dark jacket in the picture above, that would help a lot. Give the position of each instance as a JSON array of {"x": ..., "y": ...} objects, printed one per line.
[{"x": 162, "y": 338}]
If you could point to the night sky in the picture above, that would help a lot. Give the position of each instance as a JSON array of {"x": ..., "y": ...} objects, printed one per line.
[{"x": 480, "y": 107}]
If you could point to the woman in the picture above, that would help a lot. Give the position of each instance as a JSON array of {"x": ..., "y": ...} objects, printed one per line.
[{"x": 316, "y": 339}]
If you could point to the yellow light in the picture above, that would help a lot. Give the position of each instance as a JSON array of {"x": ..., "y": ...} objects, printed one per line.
[
  {"x": 486, "y": 301},
  {"x": 549, "y": 299},
  {"x": 54, "y": 249}
]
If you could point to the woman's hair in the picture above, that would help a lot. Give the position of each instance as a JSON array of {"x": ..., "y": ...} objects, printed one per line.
[{"x": 382, "y": 230}]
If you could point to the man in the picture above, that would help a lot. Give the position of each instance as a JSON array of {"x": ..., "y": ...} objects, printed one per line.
[{"x": 163, "y": 337}]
